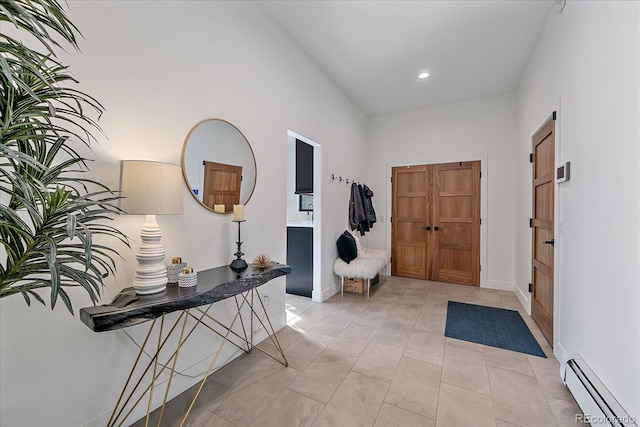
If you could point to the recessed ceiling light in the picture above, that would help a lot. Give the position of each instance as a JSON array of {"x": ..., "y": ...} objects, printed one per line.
[{"x": 423, "y": 75}]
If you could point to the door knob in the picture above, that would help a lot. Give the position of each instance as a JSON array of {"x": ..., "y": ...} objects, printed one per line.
[
  {"x": 549, "y": 242},
  {"x": 428, "y": 228},
  {"x": 436, "y": 228}
]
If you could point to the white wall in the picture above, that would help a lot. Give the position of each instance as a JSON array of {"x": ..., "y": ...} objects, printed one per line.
[
  {"x": 481, "y": 129},
  {"x": 159, "y": 68},
  {"x": 586, "y": 66}
]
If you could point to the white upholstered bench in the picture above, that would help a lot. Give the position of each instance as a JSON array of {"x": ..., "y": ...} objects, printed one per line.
[{"x": 366, "y": 265}]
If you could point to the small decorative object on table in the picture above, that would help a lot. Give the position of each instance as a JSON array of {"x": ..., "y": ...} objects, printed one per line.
[
  {"x": 262, "y": 262},
  {"x": 187, "y": 278},
  {"x": 238, "y": 264},
  {"x": 174, "y": 269}
]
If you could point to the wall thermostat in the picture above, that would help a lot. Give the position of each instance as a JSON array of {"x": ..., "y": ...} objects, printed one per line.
[{"x": 562, "y": 173}]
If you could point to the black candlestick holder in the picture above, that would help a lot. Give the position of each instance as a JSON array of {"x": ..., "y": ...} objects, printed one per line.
[{"x": 238, "y": 264}]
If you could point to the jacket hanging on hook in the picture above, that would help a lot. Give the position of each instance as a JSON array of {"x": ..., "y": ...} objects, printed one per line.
[
  {"x": 367, "y": 194},
  {"x": 364, "y": 226},
  {"x": 357, "y": 213}
]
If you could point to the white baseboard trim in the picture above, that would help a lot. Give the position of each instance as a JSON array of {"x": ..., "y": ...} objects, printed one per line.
[
  {"x": 563, "y": 357},
  {"x": 317, "y": 296},
  {"x": 525, "y": 299},
  {"x": 499, "y": 284},
  {"x": 278, "y": 322},
  {"x": 325, "y": 294}
]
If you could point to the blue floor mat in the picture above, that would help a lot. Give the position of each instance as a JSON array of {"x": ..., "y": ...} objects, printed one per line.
[{"x": 496, "y": 327}]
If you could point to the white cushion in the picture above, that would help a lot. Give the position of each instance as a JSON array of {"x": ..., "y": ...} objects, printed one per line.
[{"x": 366, "y": 265}]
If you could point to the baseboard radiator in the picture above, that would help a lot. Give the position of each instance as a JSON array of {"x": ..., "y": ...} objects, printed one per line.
[{"x": 597, "y": 403}]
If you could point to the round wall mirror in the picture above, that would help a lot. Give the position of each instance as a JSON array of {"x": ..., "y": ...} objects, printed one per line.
[{"x": 218, "y": 165}]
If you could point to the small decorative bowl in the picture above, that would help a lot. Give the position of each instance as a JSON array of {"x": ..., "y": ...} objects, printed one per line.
[{"x": 186, "y": 280}]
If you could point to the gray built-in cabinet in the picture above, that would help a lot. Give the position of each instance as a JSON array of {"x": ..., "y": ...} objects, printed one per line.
[
  {"x": 304, "y": 168},
  {"x": 300, "y": 259}
]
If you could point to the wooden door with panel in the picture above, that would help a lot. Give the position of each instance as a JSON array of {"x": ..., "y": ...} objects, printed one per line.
[
  {"x": 542, "y": 228},
  {"x": 411, "y": 207},
  {"x": 221, "y": 185},
  {"x": 456, "y": 195}
]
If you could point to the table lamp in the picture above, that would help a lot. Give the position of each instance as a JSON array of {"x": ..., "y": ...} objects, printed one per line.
[{"x": 150, "y": 188}]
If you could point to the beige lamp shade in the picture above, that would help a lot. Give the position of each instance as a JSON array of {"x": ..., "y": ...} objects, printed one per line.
[{"x": 150, "y": 188}]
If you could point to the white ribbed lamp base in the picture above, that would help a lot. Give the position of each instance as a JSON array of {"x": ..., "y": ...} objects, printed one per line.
[{"x": 151, "y": 273}]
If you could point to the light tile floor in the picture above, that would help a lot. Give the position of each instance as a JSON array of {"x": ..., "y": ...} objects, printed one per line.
[{"x": 384, "y": 362}]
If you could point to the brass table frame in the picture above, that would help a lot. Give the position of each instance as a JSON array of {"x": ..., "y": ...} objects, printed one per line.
[{"x": 125, "y": 405}]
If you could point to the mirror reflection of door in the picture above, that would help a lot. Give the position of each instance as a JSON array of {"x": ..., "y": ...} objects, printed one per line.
[
  {"x": 221, "y": 185},
  {"x": 217, "y": 141}
]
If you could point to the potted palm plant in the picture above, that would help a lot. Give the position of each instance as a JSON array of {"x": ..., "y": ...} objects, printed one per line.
[{"x": 53, "y": 219}]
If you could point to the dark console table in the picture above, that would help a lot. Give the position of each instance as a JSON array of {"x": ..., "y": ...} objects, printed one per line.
[{"x": 128, "y": 309}]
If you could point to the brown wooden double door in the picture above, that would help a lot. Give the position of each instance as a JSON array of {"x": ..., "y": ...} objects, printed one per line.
[{"x": 435, "y": 223}]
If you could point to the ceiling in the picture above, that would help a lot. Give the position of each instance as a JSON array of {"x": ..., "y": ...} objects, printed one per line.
[{"x": 374, "y": 50}]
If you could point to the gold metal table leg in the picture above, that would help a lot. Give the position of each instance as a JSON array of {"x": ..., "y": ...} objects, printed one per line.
[{"x": 245, "y": 337}]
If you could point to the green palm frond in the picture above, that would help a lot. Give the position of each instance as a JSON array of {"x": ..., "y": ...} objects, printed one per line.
[
  {"x": 39, "y": 18},
  {"x": 50, "y": 213}
]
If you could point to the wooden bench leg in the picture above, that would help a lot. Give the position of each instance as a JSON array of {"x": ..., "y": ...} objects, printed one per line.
[{"x": 368, "y": 288}]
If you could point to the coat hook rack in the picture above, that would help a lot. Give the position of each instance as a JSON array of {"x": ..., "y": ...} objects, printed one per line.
[{"x": 342, "y": 179}]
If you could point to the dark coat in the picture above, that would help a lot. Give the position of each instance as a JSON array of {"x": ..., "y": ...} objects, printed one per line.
[
  {"x": 368, "y": 205},
  {"x": 363, "y": 227},
  {"x": 356, "y": 209}
]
